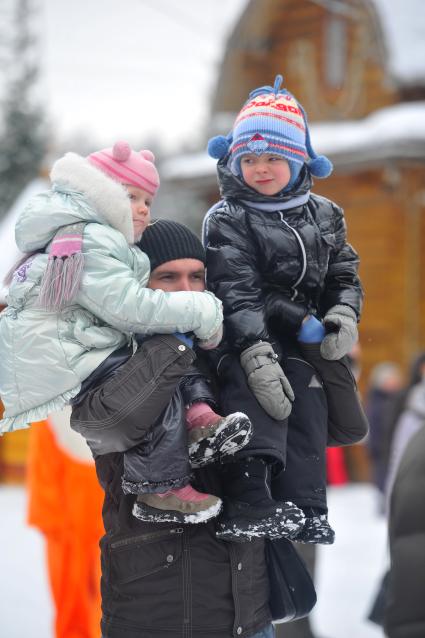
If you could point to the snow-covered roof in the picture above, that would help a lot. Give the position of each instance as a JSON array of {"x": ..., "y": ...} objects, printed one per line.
[
  {"x": 395, "y": 132},
  {"x": 9, "y": 252},
  {"x": 403, "y": 24}
]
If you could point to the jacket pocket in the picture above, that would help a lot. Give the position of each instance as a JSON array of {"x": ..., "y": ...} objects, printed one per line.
[
  {"x": 142, "y": 582},
  {"x": 135, "y": 557}
]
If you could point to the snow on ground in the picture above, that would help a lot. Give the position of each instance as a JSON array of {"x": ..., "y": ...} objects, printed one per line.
[
  {"x": 348, "y": 572},
  {"x": 25, "y": 607}
]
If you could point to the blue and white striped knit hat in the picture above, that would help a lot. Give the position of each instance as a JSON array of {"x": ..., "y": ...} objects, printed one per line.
[{"x": 271, "y": 121}]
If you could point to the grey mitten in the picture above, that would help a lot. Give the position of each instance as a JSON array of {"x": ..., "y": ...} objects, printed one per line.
[
  {"x": 267, "y": 381},
  {"x": 341, "y": 327}
]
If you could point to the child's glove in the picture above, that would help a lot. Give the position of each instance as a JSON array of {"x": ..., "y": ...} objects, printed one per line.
[
  {"x": 267, "y": 381},
  {"x": 311, "y": 331},
  {"x": 213, "y": 341},
  {"x": 341, "y": 332}
]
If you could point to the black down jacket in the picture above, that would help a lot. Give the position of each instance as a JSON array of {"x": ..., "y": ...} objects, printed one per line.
[{"x": 290, "y": 261}]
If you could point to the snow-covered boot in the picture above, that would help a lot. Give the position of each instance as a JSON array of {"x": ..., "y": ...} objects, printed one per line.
[
  {"x": 249, "y": 509},
  {"x": 317, "y": 529},
  {"x": 183, "y": 505},
  {"x": 212, "y": 436}
]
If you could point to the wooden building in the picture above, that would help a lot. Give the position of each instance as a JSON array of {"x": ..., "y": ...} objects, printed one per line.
[{"x": 358, "y": 68}]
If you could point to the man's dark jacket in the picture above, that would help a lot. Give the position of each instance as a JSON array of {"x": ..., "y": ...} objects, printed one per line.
[{"x": 163, "y": 580}]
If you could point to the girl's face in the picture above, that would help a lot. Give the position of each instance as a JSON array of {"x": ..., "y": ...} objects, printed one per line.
[
  {"x": 267, "y": 174},
  {"x": 140, "y": 202}
]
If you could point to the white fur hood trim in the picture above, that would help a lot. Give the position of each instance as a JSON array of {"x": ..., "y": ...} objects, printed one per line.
[{"x": 109, "y": 198}]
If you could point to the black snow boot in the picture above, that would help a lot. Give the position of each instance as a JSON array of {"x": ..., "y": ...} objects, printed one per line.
[
  {"x": 249, "y": 509},
  {"x": 317, "y": 529}
]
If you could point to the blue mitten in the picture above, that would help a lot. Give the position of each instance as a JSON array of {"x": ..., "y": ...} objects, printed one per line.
[{"x": 311, "y": 331}]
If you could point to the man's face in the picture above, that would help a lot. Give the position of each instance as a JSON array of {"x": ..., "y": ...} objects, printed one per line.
[{"x": 179, "y": 274}]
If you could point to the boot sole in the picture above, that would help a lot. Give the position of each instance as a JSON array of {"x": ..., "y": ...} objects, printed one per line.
[
  {"x": 272, "y": 527},
  {"x": 229, "y": 438},
  {"x": 152, "y": 515}
]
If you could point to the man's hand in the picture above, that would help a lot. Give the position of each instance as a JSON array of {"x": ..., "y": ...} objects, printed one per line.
[
  {"x": 267, "y": 381},
  {"x": 341, "y": 332}
]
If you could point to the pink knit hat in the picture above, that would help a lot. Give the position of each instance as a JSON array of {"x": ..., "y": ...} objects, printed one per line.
[{"x": 127, "y": 166}]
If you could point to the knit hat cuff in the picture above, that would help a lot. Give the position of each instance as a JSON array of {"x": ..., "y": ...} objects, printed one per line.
[
  {"x": 166, "y": 240},
  {"x": 122, "y": 173},
  {"x": 127, "y": 166}
]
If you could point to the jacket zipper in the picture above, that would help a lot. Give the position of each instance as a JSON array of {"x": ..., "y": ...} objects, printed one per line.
[
  {"x": 146, "y": 537},
  {"x": 304, "y": 256}
]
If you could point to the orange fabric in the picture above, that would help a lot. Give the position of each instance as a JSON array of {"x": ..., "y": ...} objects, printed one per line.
[{"x": 65, "y": 503}]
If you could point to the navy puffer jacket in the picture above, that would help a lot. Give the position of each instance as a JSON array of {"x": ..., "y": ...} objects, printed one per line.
[{"x": 285, "y": 262}]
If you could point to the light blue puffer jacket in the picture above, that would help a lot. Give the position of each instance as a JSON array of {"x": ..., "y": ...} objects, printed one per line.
[{"x": 44, "y": 356}]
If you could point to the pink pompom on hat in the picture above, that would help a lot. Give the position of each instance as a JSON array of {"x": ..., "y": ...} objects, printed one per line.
[{"x": 127, "y": 166}]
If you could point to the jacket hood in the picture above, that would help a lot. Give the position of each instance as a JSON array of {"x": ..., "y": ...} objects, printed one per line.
[
  {"x": 80, "y": 193},
  {"x": 234, "y": 187}
]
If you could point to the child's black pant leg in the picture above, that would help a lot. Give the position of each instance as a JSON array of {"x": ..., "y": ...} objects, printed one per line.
[
  {"x": 347, "y": 422},
  {"x": 269, "y": 437},
  {"x": 195, "y": 387},
  {"x": 304, "y": 480},
  {"x": 161, "y": 461}
]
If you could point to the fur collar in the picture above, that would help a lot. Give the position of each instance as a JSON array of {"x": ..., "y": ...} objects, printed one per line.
[{"x": 109, "y": 198}]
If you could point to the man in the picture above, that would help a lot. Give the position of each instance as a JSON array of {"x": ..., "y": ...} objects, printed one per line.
[{"x": 162, "y": 580}]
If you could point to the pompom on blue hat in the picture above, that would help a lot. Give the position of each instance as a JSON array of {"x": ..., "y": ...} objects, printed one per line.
[{"x": 271, "y": 121}]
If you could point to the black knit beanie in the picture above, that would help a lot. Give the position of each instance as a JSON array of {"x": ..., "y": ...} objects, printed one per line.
[{"x": 166, "y": 240}]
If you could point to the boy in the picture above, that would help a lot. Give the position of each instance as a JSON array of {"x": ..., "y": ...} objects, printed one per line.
[{"x": 277, "y": 257}]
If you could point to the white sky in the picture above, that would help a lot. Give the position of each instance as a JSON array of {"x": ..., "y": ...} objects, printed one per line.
[{"x": 132, "y": 68}]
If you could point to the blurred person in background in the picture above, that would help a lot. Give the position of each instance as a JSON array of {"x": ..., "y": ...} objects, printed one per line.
[
  {"x": 409, "y": 418},
  {"x": 384, "y": 385},
  {"x": 65, "y": 504},
  {"x": 404, "y": 615}
]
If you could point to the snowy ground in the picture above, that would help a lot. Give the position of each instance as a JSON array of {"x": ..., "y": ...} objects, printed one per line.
[{"x": 348, "y": 572}]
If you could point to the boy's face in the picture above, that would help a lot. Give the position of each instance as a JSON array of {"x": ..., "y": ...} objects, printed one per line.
[
  {"x": 179, "y": 274},
  {"x": 267, "y": 173},
  {"x": 140, "y": 202}
]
